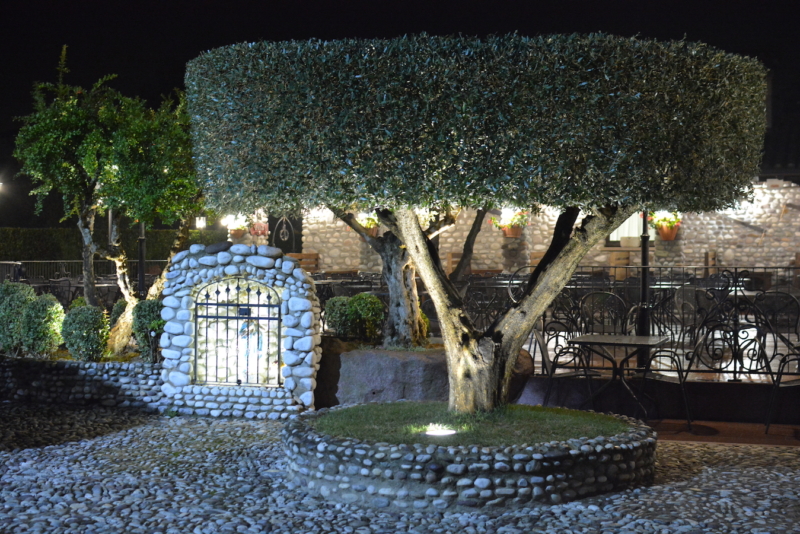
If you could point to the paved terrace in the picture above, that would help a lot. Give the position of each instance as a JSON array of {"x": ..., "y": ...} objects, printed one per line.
[{"x": 109, "y": 471}]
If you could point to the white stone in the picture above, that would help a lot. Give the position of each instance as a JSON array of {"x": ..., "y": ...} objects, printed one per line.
[
  {"x": 186, "y": 367},
  {"x": 307, "y": 319},
  {"x": 261, "y": 262},
  {"x": 182, "y": 341},
  {"x": 179, "y": 256},
  {"x": 165, "y": 341},
  {"x": 293, "y": 332},
  {"x": 299, "y": 274},
  {"x": 302, "y": 372},
  {"x": 184, "y": 315},
  {"x": 288, "y": 266},
  {"x": 304, "y": 343},
  {"x": 171, "y": 302},
  {"x": 172, "y": 275},
  {"x": 270, "y": 252},
  {"x": 238, "y": 258},
  {"x": 167, "y": 313},
  {"x": 174, "y": 327},
  {"x": 286, "y": 371},
  {"x": 168, "y": 389},
  {"x": 299, "y": 304},
  {"x": 288, "y": 343},
  {"x": 308, "y": 384},
  {"x": 242, "y": 250},
  {"x": 196, "y": 249},
  {"x": 291, "y": 358},
  {"x": 289, "y": 384},
  {"x": 307, "y": 398},
  {"x": 290, "y": 320},
  {"x": 171, "y": 354},
  {"x": 193, "y": 263},
  {"x": 231, "y": 270},
  {"x": 224, "y": 258},
  {"x": 188, "y": 328},
  {"x": 187, "y": 302},
  {"x": 210, "y": 261}
]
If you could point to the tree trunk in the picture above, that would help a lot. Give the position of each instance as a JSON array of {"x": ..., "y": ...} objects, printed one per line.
[
  {"x": 403, "y": 326},
  {"x": 480, "y": 363},
  {"x": 120, "y": 335},
  {"x": 86, "y": 228},
  {"x": 181, "y": 236}
]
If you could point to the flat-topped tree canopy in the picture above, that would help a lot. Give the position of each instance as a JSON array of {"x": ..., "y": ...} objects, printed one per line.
[{"x": 562, "y": 120}]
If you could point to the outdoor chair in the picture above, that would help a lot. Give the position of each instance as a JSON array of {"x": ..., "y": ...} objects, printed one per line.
[
  {"x": 784, "y": 378},
  {"x": 664, "y": 365},
  {"x": 782, "y": 310},
  {"x": 604, "y": 313},
  {"x": 61, "y": 289},
  {"x": 568, "y": 362}
]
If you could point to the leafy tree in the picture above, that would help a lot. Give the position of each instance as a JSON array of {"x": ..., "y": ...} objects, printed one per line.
[
  {"x": 100, "y": 150},
  {"x": 597, "y": 126}
]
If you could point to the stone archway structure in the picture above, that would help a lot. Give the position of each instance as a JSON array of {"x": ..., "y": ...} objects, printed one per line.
[{"x": 299, "y": 352}]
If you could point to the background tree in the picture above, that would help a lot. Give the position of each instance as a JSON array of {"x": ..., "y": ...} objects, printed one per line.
[
  {"x": 597, "y": 126},
  {"x": 100, "y": 150}
]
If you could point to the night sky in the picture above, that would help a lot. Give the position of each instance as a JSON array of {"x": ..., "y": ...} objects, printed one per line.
[{"x": 147, "y": 43}]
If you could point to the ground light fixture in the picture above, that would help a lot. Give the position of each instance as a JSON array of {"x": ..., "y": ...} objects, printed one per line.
[
  {"x": 435, "y": 429},
  {"x": 199, "y": 222}
]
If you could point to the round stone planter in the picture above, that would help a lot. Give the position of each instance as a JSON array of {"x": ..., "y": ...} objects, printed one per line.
[{"x": 461, "y": 478}]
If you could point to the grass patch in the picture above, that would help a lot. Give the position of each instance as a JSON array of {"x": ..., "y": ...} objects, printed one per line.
[{"x": 407, "y": 422}]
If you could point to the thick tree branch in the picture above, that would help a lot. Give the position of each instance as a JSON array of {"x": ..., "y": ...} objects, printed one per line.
[
  {"x": 441, "y": 224},
  {"x": 350, "y": 220},
  {"x": 469, "y": 246},
  {"x": 561, "y": 235}
]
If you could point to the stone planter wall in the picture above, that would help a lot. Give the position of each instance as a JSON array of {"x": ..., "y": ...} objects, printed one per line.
[
  {"x": 425, "y": 477},
  {"x": 134, "y": 385},
  {"x": 769, "y": 237}
]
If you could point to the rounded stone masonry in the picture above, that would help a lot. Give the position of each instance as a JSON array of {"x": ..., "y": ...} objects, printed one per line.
[
  {"x": 462, "y": 478},
  {"x": 299, "y": 336}
]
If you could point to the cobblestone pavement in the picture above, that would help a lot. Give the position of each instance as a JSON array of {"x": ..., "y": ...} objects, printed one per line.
[{"x": 99, "y": 470}]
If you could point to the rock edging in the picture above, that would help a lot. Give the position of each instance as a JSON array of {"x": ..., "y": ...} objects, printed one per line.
[{"x": 461, "y": 478}]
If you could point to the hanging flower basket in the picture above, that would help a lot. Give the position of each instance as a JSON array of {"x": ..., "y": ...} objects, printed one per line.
[
  {"x": 666, "y": 233},
  {"x": 512, "y": 231}
]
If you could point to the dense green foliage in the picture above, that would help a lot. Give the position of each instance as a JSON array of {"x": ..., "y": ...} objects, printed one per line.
[
  {"x": 40, "y": 327},
  {"x": 147, "y": 327},
  {"x": 116, "y": 311},
  {"x": 77, "y": 303},
  {"x": 336, "y": 317},
  {"x": 561, "y": 120},
  {"x": 365, "y": 314},
  {"x": 85, "y": 332},
  {"x": 13, "y": 298}
]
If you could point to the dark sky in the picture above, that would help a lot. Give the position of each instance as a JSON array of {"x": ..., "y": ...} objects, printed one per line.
[{"x": 147, "y": 43}]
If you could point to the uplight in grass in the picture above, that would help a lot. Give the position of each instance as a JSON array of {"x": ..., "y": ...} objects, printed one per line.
[{"x": 439, "y": 430}]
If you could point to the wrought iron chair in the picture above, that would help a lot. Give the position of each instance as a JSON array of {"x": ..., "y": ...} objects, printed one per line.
[
  {"x": 604, "y": 313},
  {"x": 664, "y": 365},
  {"x": 784, "y": 369},
  {"x": 568, "y": 362},
  {"x": 61, "y": 288},
  {"x": 782, "y": 310}
]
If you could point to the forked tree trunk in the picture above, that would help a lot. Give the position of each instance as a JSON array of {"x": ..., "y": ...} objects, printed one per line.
[
  {"x": 403, "y": 328},
  {"x": 120, "y": 334},
  {"x": 480, "y": 363}
]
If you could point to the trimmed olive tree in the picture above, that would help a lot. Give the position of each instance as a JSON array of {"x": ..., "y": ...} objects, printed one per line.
[{"x": 597, "y": 126}]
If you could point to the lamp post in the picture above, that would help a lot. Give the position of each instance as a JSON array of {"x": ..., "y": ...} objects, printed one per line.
[
  {"x": 643, "y": 324},
  {"x": 142, "y": 289}
]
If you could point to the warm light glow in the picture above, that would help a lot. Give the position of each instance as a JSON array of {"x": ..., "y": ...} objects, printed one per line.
[
  {"x": 200, "y": 222},
  {"x": 232, "y": 222},
  {"x": 439, "y": 430}
]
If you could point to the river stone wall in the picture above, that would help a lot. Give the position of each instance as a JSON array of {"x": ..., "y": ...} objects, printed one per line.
[
  {"x": 453, "y": 478},
  {"x": 300, "y": 331},
  {"x": 761, "y": 233},
  {"x": 124, "y": 385}
]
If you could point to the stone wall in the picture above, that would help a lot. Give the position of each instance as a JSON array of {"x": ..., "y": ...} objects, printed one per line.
[
  {"x": 764, "y": 232},
  {"x": 135, "y": 385},
  {"x": 425, "y": 477}
]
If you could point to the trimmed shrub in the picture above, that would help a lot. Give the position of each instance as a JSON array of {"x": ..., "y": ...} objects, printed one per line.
[
  {"x": 336, "y": 317},
  {"x": 78, "y": 302},
  {"x": 116, "y": 311},
  {"x": 85, "y": 332},
  {"x": 147, "y": 327},
  {"x": 13, "y": 298},
  {"x": 40, "y": 327},
  {"x": 366, "y": 313}
]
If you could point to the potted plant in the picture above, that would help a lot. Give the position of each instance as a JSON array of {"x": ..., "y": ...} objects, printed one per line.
[
  {"x": 666, "y": 223},
  {"x": 236, "y": 224},
  {"x": 370, "y": 223},
  {"x": 511, "y": 222}
]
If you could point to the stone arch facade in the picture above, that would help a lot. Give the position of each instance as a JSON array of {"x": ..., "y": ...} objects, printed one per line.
[{"x": 299, "y": 337}]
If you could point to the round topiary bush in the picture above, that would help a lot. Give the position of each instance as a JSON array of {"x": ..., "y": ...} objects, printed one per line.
[
  {"x": 77, "y": 302},
  {"x": 85, "y": 332},
  {"x": 366, "y": 313},
  {"x": 147, "y": 327},
  {"x": 336, "y": 317},
  {"x": 13, "y": 298},
  {"x": 117, "y": 311},
  {"x": 40, "y": 326}
]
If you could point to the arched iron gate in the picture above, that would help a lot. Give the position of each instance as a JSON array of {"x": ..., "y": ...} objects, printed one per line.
[{"x": 237, "y": 334}]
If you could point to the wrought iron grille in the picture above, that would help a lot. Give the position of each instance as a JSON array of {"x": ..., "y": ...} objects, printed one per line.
[{"x": 237, "y": 334}]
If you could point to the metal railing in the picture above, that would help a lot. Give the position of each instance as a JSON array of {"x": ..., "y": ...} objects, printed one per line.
[{"x": 50, "y": 270}]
